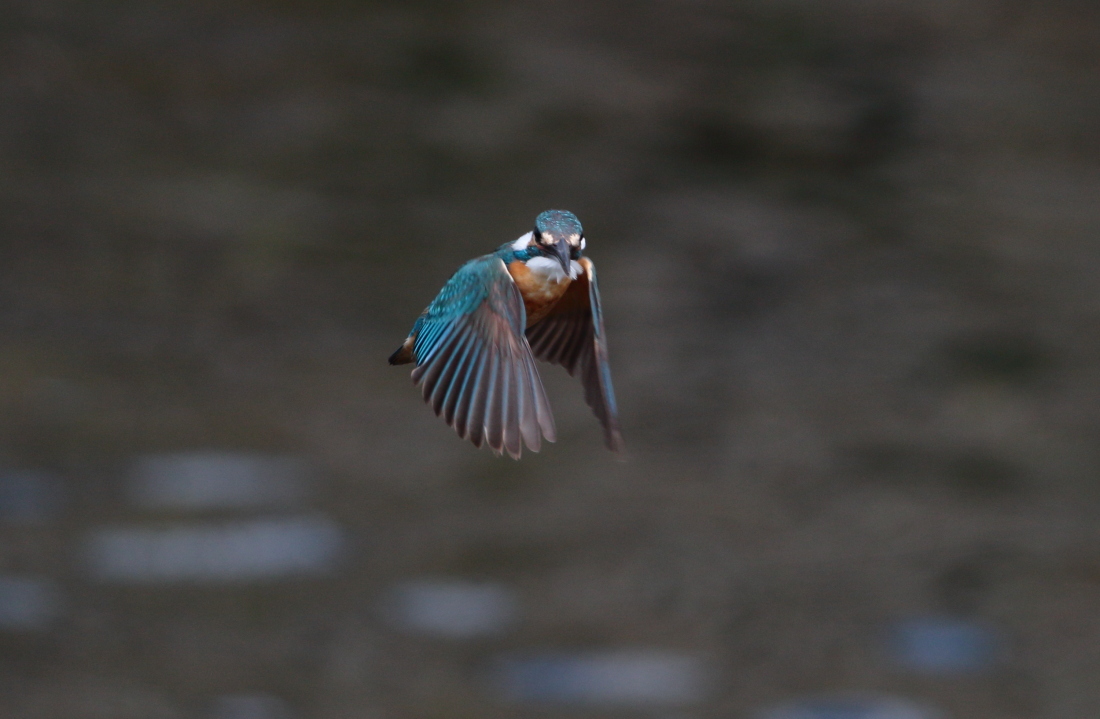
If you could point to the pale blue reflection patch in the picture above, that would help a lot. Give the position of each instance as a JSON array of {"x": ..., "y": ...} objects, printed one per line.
[
  {"x": 849, "y": 706},
  {"x": 614, "y": 678},
  {"x": 451, "y": 608},
  {"x": 217, "y": 480},
  {"x": 27, "y": 603},
  {"x": 250, "y": 706},
  {"x": 29, "y": 497},
  {"x": 944, "y": 645},
  {"x": 241, "y": 551}
]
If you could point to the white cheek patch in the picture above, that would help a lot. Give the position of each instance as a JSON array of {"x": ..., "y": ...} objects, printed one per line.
[
  {"x": 522, "y": 243},
  {"x": 583, "y": 243},
  {"x": 575, "y": 270}
]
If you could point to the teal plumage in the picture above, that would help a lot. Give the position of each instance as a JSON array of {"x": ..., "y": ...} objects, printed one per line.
[{"x": 474, "y": 346}]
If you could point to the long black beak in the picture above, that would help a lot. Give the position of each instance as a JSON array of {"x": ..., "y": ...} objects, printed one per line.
[{"x": 560, "y": 250}]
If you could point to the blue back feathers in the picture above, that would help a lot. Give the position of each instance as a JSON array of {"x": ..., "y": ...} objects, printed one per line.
[
  {"x": 462, "y": 294},
  {"x": 509, "y": 255}
]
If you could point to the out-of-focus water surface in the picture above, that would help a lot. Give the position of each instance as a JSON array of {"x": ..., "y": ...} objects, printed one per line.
[{"x": 849, "y": 255}]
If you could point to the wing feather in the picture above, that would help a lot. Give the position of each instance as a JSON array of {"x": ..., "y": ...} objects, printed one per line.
[
  {"x": 510, "y": 394},
  {"x": 474, "y": 363},
  {"x": 528, "y": 421},
  {"x": 453, "y": 361},
  {"x": 572, "y": 335},
  {"x": 494, "y": 424},
  {"x": 459, "y": 391},
  {"x": 464, "y": 400},
  {"x": 475, "y": 420}
]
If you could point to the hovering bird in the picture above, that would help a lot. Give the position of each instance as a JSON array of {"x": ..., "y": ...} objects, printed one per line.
[{"x": 475, "y": 345}]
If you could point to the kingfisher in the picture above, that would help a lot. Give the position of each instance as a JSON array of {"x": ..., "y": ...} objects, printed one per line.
[{"x": 475, "y": 345}]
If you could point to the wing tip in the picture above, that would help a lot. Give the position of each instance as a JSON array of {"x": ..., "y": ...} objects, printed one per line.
[{"x": 614, "y": 442}]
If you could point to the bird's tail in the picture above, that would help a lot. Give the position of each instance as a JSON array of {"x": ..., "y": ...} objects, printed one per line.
[{"x": 403, "y": 354}]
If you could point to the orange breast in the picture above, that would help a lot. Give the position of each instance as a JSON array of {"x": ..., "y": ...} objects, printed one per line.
[{"x": 539, "y": 294}]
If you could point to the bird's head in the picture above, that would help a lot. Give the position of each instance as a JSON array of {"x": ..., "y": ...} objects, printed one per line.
[{"x": 558, "y": 234}]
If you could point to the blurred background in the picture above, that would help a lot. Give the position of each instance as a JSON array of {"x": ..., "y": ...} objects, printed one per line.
[{"x": 849, "y": 259}]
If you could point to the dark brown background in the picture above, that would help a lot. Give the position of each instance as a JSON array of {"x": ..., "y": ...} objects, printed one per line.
[{"x": 849, "y": 256}]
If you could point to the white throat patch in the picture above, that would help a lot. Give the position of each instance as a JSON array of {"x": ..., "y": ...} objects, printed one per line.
[{"x": 551, "y": 270}]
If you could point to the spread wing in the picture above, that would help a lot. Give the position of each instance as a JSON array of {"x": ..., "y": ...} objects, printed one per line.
[
  {"x": 572, "y": 336},
  {"x": 475, "y": 365}
]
